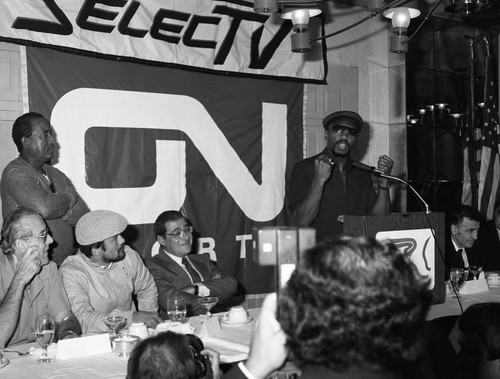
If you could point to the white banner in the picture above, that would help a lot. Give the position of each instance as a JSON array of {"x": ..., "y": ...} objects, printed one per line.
[{"x": 225, "y": 36}]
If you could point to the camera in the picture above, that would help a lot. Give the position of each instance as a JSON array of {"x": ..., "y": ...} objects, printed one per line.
[{"x": 203, "y": 363}]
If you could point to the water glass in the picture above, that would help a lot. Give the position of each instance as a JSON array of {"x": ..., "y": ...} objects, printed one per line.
[
  {"x": 45, "y": 327},
  {"x": 176, "y": 308}
]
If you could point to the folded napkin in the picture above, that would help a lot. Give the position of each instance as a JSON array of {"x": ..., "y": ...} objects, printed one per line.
[
  {"x": 51, "y": 350},
  {"x": 177, "y": 327},
  {"x": 229, "y": 351}
]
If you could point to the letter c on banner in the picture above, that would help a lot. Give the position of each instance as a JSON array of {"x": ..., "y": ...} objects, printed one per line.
[{"x": 80, "y": 109}]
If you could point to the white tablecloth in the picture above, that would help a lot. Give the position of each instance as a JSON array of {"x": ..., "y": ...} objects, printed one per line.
[
  {"x": 232, "y": 342},
  {"x": 451, "y": 307}
]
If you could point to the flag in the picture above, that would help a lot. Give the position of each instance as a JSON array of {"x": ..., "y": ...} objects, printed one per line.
[
  {"x": 489, "y": 173},
  {"x": 471, "y": 146}
]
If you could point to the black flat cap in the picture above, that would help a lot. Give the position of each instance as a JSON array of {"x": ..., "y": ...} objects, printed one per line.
[{"x": 344, "y": 118}]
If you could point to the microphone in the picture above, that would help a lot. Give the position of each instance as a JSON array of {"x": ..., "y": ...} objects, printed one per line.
[
  {"x": 377, "y": 172},
  {"x": 364, "y": 167}
]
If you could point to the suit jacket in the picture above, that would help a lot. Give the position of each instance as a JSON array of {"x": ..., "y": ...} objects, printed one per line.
[
  {"x": 487, "y": 246},
  {"x": 170, "y": 278},
  {"x": 452, "y": 258}
]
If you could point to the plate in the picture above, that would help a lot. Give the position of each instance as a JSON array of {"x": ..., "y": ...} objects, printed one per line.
[
  {"x": 226, "y": 322},
  {"x": 4, "y": 362}
]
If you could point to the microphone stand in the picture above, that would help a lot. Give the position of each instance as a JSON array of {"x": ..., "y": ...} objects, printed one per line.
[{"x": 387, "y": 176}]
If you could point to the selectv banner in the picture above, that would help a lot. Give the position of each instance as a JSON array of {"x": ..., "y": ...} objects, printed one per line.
[
  {"x": 224, "y": 36},
  {"x": 139, "y": 139}
]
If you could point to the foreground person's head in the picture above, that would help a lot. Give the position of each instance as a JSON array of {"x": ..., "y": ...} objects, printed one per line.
[
  {"x": 354, "y": 303},
  {"x": 169, "y": 355},
  {"x": 480, "y": 341}
]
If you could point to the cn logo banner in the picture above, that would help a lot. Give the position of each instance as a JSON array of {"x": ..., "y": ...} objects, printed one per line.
[
  {"x": 140, "y": 140},
  {"x": 223, "y": 36}
]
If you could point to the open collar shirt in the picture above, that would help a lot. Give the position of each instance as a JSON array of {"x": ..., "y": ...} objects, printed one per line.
[
  {"x": 95, "y": 292},
  {"x": 44, "y": 294}
]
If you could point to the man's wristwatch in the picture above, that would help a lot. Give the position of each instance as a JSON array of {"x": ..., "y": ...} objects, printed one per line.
[{"x": 196, "y": 289}]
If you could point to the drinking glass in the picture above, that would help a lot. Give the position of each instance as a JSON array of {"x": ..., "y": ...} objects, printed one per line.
[
  {"x": 115, "y": 323},
  {"x": 208, "y": 302},
  {"x": 475, "y": 271},
  {"x": 458, "y": 277},
  {"x": 45, "y": 328},
  {"x": 176, "y": 308}
]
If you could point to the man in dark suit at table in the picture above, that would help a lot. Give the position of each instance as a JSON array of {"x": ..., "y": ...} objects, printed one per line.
[
  {"x": 464, "y": 223},
  {"x": 487, "y": 245},
  {"x": 177, "y": 273}
]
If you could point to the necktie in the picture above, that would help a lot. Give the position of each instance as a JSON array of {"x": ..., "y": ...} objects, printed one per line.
[
  {"x": 194, "y": 275},
  {"x": 460, "y": 258}
]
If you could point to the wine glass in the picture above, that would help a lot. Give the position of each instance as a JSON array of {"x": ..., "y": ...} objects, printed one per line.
[
  {"x": 45, "y": 328},
  {"x": 115, "y": 323},
  {"x": 176, "y": 308},
  {"x": 208, "y": 302},
  {"x": 458, "y": 277},
  {"x": 475, "y": 271}
]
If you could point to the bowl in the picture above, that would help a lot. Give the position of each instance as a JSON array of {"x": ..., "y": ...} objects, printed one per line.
[{"x": 124, "y": 344}]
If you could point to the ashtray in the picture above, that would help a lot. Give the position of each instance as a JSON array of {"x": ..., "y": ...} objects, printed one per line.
[{"x": 124, "y": 344}]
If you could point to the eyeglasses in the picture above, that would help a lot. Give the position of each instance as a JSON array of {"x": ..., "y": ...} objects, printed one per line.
[
  {"x": 340, "y": 129},
  {"x": 178, "y": 234},
  {"x": 43, "y": 236}
]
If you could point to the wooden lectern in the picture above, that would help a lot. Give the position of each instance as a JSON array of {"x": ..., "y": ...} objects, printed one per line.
[{"x": 411, "y": 234}]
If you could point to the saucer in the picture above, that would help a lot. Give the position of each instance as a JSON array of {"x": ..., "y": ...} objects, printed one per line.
[
  {"x": 4, "y": 362},
  {"x": 227, "y": 322},
  {"x": 493, "y": 283}
]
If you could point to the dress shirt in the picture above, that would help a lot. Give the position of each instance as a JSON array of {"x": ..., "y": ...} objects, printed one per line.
[
  {"x": 95, "y": 292},
  {"x": 193, "y": 273},
  {"x": 45, "y": 294},
  {"x": 462, "y": 253}
]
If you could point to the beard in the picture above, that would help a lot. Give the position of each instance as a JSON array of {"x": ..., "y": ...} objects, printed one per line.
[
  {"x": 120, "y": 255},
  {"x": 341, "y": 149}
]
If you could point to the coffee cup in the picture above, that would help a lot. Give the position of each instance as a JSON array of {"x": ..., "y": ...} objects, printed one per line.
[
  {"x": 236, "y": 315},
  {"x": 138, "y": 329}
]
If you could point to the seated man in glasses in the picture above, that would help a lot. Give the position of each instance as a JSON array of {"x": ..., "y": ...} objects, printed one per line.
[
  {"x": 327, "y": 186},
  {"x": 30, "y": 285},
  {"x": 177, "y": 274},
  {"x": 104, "y": 275}
]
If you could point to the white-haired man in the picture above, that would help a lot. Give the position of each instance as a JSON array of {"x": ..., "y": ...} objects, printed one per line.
[{"x": 30, "y": 285}]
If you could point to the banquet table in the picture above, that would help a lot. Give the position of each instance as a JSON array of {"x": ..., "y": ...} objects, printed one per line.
[
  {"x": 451, "y": 306},
  {"x": 232, "y": 342}
]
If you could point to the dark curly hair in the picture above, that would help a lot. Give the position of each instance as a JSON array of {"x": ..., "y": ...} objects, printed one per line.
[
  {"x": 457, "y": 214},
  {"x": 165, "y": 356},
  {"x": 483, "y": 319},
  {"x": 354, "y": 302},
  {"x": 23, "y": 128},
  {"x": 159, "y": 228}
]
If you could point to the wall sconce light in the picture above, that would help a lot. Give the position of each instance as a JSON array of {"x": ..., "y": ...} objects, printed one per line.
[{"x": 400, "y": 21}]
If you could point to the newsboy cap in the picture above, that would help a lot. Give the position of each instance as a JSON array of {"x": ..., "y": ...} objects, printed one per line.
[
  {"x": 344, "y": 118},
  {"x": 96, "y": 226}
]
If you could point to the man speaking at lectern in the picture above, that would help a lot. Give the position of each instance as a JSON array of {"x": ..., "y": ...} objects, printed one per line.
[{"x": 327, "y": 186}]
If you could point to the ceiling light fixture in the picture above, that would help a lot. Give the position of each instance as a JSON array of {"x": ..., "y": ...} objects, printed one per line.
[
  {"x": 300, "y": 11},
  {"x": 401, "y": 17}
]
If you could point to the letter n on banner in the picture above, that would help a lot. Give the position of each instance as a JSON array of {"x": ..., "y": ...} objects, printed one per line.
[{"x": 140, "y": 139}]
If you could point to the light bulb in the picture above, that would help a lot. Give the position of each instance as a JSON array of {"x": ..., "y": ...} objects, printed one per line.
[
  {"x": 300, "y": 16},
  {"x": 401, "y": 18}
]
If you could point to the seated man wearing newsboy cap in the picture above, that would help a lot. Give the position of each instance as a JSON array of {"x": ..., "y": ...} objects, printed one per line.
[{"x": 102, "y": 276}]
